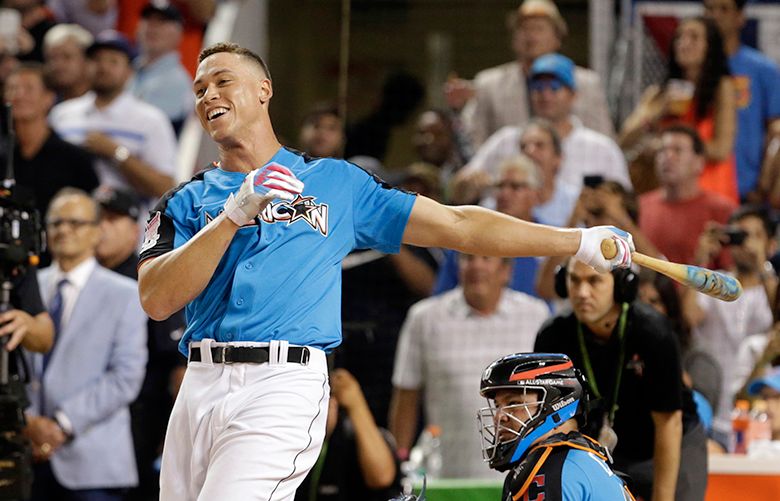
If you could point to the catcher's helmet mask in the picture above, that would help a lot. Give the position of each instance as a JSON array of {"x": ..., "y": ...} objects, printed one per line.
[{"x": 559, "y": 396}]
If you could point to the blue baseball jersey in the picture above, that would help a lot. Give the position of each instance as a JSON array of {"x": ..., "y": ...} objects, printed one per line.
[
  {"x": 280, "y": 278},
  {"x": 585, "y": 477},
  {"x": 568, "y": 474}
]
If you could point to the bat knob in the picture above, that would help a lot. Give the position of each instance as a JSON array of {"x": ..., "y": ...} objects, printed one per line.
[{"x": 608, "y": 248}]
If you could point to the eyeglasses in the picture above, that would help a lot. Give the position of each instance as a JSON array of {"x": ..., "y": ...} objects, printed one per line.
[
  {"x": 73, "y": 223},
  {"x": 538, "y": 85}
]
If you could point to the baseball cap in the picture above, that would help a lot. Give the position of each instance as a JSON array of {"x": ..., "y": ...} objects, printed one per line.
[
  {"x": 111, "y": 39},
  {"x": 557, "y": 65},
  {"x": 770, "y": 379},
  {"x": 543, "y": 8},
  {"x": 164, "y": 8},
  {"x": 118, "y": 201}
]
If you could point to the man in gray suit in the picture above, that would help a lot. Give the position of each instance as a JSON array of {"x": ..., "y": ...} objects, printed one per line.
[{"x": 79, "y": 419}]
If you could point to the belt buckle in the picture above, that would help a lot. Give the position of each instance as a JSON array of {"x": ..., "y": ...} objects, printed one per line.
[
  {"x": 305, "y": 355},
  {"x": 226, "y": 350}
]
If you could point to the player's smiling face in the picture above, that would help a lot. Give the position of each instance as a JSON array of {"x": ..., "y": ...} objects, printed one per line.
[{"x": 231, "y": 92}]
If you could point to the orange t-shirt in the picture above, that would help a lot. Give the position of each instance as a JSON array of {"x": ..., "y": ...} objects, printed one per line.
[
  {"x": 719, "y": 177},
  {"x": 192, "y": 36}
]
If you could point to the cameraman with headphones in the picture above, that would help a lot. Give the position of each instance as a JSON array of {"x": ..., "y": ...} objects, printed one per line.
[{"x": 631, "y": 360}]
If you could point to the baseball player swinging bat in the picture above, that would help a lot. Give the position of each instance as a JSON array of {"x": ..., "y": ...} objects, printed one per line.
[{"x": 712, "y": 283}]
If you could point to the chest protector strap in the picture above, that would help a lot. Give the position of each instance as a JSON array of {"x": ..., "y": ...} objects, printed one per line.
[{"x": 524, "y": 473}]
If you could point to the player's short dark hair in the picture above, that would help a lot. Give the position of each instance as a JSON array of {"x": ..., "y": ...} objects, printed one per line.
[
  {"x": 234, "y": 48},
  {"x": 320, "y": 110},
  {"x": 757, "y": 211},
  {"x": 37, "y": 69},
  {"x": 547, "y": 127},
  {"x": 698, "y": 144}
]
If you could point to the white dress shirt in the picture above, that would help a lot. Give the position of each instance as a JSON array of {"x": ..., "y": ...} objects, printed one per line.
[{"x": 77, "y": 279}]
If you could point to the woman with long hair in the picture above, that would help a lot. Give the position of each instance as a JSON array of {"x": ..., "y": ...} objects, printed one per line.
[{"x": 698, "y": 91}]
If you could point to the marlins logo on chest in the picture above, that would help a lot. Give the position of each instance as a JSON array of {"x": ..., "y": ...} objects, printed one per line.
[{"x": 303, "y": 208}]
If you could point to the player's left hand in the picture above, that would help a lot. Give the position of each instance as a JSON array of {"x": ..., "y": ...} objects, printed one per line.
[
  {"x": 589, "y": 251},
  {"x": 259, "y": 188}
]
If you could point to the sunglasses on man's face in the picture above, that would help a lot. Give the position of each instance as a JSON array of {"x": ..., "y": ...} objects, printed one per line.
[{"x": 545, "y": 83}]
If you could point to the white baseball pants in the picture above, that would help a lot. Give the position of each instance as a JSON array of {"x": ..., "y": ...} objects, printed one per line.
[{"x": 245, "y": 431}]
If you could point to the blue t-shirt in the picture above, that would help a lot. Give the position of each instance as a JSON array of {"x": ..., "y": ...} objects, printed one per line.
[
  {"x": 523, "y": 279},
  {"x": 756, "y": 80},
  {"x": 585, "y": 477},
  {"x": 280, "y": 279}
]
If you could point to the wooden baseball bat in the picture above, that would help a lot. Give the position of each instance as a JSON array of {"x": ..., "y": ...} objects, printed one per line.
[{"x": 713, "y": 283}]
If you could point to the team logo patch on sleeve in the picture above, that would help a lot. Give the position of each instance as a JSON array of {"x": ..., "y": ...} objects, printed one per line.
[{"x": 152, "y": 232}]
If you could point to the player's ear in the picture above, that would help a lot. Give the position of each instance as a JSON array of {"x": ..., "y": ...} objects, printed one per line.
[{"x": 266, "y": 91}]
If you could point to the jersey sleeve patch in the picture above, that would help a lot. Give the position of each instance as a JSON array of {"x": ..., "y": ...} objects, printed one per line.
[{"x": 158, "y": 236}]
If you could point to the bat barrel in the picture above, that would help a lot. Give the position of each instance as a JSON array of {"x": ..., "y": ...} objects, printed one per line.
[{"x": 713, "y": 283}]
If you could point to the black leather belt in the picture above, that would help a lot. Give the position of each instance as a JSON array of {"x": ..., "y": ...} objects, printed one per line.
[{"x": 250, "y": 354}]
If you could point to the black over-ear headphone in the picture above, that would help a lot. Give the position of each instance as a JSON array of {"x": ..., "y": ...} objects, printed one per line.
[{"x": 626, "y": 284}]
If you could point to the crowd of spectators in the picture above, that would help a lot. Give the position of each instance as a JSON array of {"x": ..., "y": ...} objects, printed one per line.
[{"x": 100, "y": 90}]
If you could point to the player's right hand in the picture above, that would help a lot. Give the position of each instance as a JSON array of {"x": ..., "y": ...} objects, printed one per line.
[
  {"x": 259, "y": 188},
  {"x": 589, "y": 251}
]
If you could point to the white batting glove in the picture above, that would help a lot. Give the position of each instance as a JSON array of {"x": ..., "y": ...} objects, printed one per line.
[
  {"x": 259, "y": 188},
  {"x": 590, "y": 248}
]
